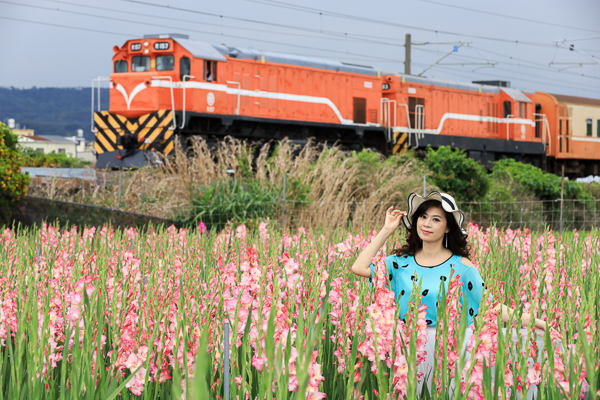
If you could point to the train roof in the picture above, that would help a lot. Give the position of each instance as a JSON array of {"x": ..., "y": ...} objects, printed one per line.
[
  {"x": 585, "y": 101},
  {"x": 218, "y": 52},
  {"x": 516, "y": 94},
  {"x": 292, "y": 59}
]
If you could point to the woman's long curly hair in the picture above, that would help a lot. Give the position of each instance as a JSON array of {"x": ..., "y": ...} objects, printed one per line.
[{"x": 457, "y": 242}]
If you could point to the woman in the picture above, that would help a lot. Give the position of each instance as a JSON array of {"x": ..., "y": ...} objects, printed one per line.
[{"x": 436, "y": 243}]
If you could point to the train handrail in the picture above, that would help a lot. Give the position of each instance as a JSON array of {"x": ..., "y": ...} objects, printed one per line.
[
  {"x": 172, "y": 98},
  {"x": 419, "y": 113},
  {"x": 546, "y": 129},
  {"x": 237, "y": 110},
  {"x": 98, "y": 79},
  {"x": 407, "y": 120},
  {"x": 191, "y": 77},
  {"x": 508, "y": 124},
  {"x": 385, "y": 116}
]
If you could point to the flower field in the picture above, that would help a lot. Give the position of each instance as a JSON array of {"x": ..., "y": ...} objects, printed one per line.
[{"x": 103, "y": 314}]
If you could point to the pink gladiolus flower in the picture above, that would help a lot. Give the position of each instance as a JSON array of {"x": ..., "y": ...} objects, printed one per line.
[
  {"x": 534, "y": 375},
  {"x": 202, "y": 228},
  {"x": 258, "y": 363}
]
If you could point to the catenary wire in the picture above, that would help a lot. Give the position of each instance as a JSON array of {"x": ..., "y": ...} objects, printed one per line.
[
  {"x": 338, "y": 36},
  {"x": 508, "y": 16},
  {"x": 280, "y": 4},
  {"x": 455, "y": 72},
  {"x": 66, "y": 26},
  {"x": 204, "y": 32},
  {"x": 339, "y": 15},
  {"x": 130, "y": 35},
  {"x": 536, "y": 66}
]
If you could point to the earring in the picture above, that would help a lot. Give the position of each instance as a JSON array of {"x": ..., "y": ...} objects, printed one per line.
[{"x": 446, "y": 239}]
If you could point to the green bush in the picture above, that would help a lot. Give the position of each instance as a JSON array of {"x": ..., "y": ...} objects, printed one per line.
[
  {"x": 37, "y": 158},
  {"x": 543, "y": 185},
  {"x": 13, "y": 184},
  {"x": 233, "y": 200},
  {"x": 370, "y": 163},
  {"x": 593, "y": 188},
  {"x": 453, "y": 172}
]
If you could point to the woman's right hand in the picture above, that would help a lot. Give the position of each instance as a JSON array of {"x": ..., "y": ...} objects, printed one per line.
[
  {"x": 392, "y": 219},
  {"x": 362, "y": 265}
]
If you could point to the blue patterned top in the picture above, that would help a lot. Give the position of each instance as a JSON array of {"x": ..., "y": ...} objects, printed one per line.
[{"x": 402, "y": 270}]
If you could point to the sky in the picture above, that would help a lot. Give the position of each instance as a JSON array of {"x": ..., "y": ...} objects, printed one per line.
[{"x": 49, "y": 43}]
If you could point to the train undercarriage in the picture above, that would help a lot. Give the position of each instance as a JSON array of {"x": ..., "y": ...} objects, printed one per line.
[{"x": 130, "y": 143}]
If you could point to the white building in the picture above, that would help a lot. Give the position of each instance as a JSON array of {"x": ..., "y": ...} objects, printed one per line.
[
  {"x": 49, "y": 144},
  {"x": 72, "y": 146}
]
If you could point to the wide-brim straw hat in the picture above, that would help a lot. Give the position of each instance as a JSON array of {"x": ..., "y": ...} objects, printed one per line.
[{"x": 447, "y": 202}]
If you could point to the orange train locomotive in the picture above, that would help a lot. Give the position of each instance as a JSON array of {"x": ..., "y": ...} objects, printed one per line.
[{"x": 168, "y": 86}]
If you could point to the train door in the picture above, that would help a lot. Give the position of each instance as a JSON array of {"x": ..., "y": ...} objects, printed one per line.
[
  {"x": 277, "y": 85},
  {"x": 262, "y": 102},
  {"x": 416, "y": 112},
  {"x": 249, "y": 99},
  {"x": 563, "y": 129},
  {"x": 185, "y": 76}
]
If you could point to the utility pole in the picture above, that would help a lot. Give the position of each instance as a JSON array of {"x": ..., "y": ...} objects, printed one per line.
[{"x": 407, "y": 55}]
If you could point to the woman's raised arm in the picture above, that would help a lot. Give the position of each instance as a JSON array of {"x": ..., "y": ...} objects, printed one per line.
[{"x": 362, "y": 265}]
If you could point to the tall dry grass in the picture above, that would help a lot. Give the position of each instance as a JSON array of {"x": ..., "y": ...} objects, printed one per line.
[{"x": 326, "y": 187}]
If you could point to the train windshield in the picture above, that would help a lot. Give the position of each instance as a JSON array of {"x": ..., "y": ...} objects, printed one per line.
[
  {"x": 140, "y": 64},
  {"x": 120, "y": 66},
  {"x": 165, "y": 63}
]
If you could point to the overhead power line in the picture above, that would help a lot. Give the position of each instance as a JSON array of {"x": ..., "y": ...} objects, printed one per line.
[
  {"x": 394, "y": 61},
  {"x": 509, "y": 16},
  {"x": 66, "y": 26},
  {"x": 534, "y": 66},
  {"x": 335, "y": 35},
  {"x": 333, "y": 14},
  {"x": 375, "y": 58},
  {"x": 532, "y": 82}
]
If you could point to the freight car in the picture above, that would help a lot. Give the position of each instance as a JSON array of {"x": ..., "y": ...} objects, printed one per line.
[{"x": 168, "y": 86}]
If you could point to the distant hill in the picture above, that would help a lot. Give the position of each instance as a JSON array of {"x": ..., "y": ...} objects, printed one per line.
[{"x": 50, "y": 111}]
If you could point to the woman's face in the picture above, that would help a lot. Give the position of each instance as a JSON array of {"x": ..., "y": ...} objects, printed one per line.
[{"x": 431, "y": 225}]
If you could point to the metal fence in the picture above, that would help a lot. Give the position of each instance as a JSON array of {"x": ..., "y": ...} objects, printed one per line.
[{"x": 535, "y": 215}]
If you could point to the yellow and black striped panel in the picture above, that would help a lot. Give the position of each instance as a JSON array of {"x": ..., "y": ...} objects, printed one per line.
[
  {"x": 400, "y": 142},
  {"x": 152, "y": 131}
]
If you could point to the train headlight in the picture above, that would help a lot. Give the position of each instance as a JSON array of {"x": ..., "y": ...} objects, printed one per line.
[
  {"x": 146, "y": 43},
  {"x": 146, "y": 51}
]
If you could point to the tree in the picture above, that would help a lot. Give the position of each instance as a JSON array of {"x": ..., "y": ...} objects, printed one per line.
[
  {"x": 13, "y": 184},
  {"x": 457, "y": 174}
]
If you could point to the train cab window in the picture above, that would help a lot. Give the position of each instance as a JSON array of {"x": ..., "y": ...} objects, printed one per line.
[
  {"x": 522, "y": 110},
  {"x": 598, "y": 128},
  {"x": 210, "y": 71},
  {"x": 140, "y": 63},
  {"x": 184, "y": 67},
  {"x": 360, "y": 110},
  {"x": 120, "y": 66},
  {"x": 589, "y": 127},
  {"x": 507, "y": 108},
  {"x": 165, "y": 63}
]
